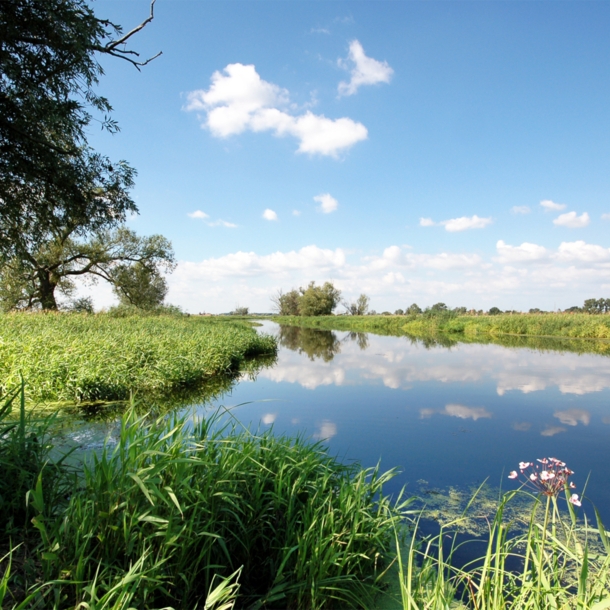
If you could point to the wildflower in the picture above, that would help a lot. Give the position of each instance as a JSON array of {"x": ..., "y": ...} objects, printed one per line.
[
  {"x": 549, "y": 479},
  {"x": 574, "y": 500}
]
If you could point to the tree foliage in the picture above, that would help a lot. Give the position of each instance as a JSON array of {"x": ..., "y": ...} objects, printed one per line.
[
  {"x": 48, "y": 74},
  {"x": 33, "y": 279},
  {"x": 359, "y": 307},
  {"x": 139, "y": 285},
  {"x": 309, "y": 301},
  {"x": 596, "y": 306}
]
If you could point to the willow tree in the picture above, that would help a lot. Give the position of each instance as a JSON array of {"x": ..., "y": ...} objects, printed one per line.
[{"x": 49, "y": 176}]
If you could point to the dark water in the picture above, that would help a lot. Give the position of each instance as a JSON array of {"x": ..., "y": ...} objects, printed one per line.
[{"x": 450, "y": 416}]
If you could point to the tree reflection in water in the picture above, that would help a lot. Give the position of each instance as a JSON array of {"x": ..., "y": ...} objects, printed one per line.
[{"x": 315, "y": 343}]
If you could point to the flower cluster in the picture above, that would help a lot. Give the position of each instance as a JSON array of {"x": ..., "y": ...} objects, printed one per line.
[{"x": 549, "y": 477}]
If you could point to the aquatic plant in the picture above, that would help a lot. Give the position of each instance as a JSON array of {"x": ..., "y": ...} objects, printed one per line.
[{"x": 528, "y": 562}]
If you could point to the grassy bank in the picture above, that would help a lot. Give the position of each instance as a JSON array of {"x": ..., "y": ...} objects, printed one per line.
[
  {"x": 80, "y": 357},
  {"x": 527, "y": 330},
  {"x": 176, "y": 509}
]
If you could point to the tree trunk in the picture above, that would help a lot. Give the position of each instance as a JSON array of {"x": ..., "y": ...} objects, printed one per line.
[{"x": 47, "y": 290}]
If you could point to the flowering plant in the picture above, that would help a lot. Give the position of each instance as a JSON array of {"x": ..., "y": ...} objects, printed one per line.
[{"x": 549, "y": 477}]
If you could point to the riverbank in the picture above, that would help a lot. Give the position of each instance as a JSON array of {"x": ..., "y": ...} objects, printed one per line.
[
  {"x": 98, "y": 357},
  {"x": 466, "y": 328}
]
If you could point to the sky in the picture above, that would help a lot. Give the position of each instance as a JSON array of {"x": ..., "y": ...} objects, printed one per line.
[{"x": 419, "y": 152}]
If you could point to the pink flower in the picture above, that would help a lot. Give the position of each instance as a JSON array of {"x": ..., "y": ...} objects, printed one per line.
[
  {"x": 572, "y": 486},
  {"x": 513, "y": 475},
  {"x": 545, "y": 475},
  {"x": 524, "y": 465},
  {"x": 574, "y": 500},
  {"x": 533, "y": 476}
]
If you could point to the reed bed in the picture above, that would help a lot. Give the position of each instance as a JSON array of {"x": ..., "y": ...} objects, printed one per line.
[{"x": 85, "y": 358}]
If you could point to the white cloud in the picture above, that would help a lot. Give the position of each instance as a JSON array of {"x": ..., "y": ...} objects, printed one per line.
[
  {"x": 520, "y": 209},
  {"x": 605, "y": 216},
  {"x": 269, "y": 418},
  {"x": 583, "y": 252},
  {"x": 269, "y": 214},
  {"x": 222, "y": 223},
  {"x": 319, "y": 31},
  {"x": 572, "y": 221},
  {"x": 464, "y": 223},
  {"x": 363, "y": 70},
  {"x": 518, "y": 254},
  {"x": 296, "y": 212},
  {"x": 239, "y": 100},
  {"x": 551, "y": 206},
  {"x": 426, "y": 222},
  {"x": 327, "y": 203},
  {"x": 198, "y": 214}
]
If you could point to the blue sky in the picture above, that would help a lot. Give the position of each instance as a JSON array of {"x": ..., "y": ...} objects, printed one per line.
[{"x": 401, "y": 149}]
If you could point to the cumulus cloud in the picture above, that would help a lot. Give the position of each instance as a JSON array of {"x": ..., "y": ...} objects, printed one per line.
[
  {"x": 240, "y": 100},
  {"x": 326, "y": 431},
  {"x": 198, "y": 214},
  {"x": 426, "y": 222},
  {"x": 520, "y": 209},
  {"x": 269, "y": 214},
  {"x": 363, "y": 70},
  {"x": 605, "y": 216},
  {"x": 583, "y": 252},
  {"x": 551, "y": 206},
  {"x": 327, "y": 203},
  {"x": 464, "y": 223},
  {"x": 572, "y": 221},
  {"x": 519, "y": 254}
]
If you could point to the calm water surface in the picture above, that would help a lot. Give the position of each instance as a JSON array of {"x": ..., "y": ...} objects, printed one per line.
[{"x": 449, "y": 416}]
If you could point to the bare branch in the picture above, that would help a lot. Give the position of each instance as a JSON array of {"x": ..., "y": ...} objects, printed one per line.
[{"x": 115, "y": 43}]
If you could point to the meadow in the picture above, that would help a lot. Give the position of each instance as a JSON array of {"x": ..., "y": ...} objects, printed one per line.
[{"x": 79, "y": 358}]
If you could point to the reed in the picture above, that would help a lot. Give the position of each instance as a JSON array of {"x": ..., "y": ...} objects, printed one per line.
[{"x": 84, "y": 358}]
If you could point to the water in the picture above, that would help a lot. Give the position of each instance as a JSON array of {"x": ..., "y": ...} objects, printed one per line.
[
  {"x": 447, "y": 416},
  {"x": 444, "y": 416}
]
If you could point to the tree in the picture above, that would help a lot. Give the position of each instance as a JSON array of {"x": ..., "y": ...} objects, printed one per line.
[
  {"x": 318, "y": 300},
  {"x": 48, "y": 71},
  {"x": 360, "y": 307},
  {"x": 494, "y": 311},
  {"x": 596, "y": 306},
  {"x": 32, "y": 279},
  {"x": 287, "y": 303},
  {"x": 413, "y": 310},
  {"x": 139, "y": 285}
]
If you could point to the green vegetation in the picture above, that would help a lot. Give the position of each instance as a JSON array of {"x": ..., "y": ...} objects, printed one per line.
[
  {"x": 159, "y": 517},
  {"x": 536, "y": 559},
  {"x": 526, "y": 330},
  {"x": 85, "y": 358},
  {"x": 310, "y": 301}
]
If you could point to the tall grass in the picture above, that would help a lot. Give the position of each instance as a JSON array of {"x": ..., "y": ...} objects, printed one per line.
[
  {"x": 79, "y": 357},
  {"x": 182, "y": 513}
]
